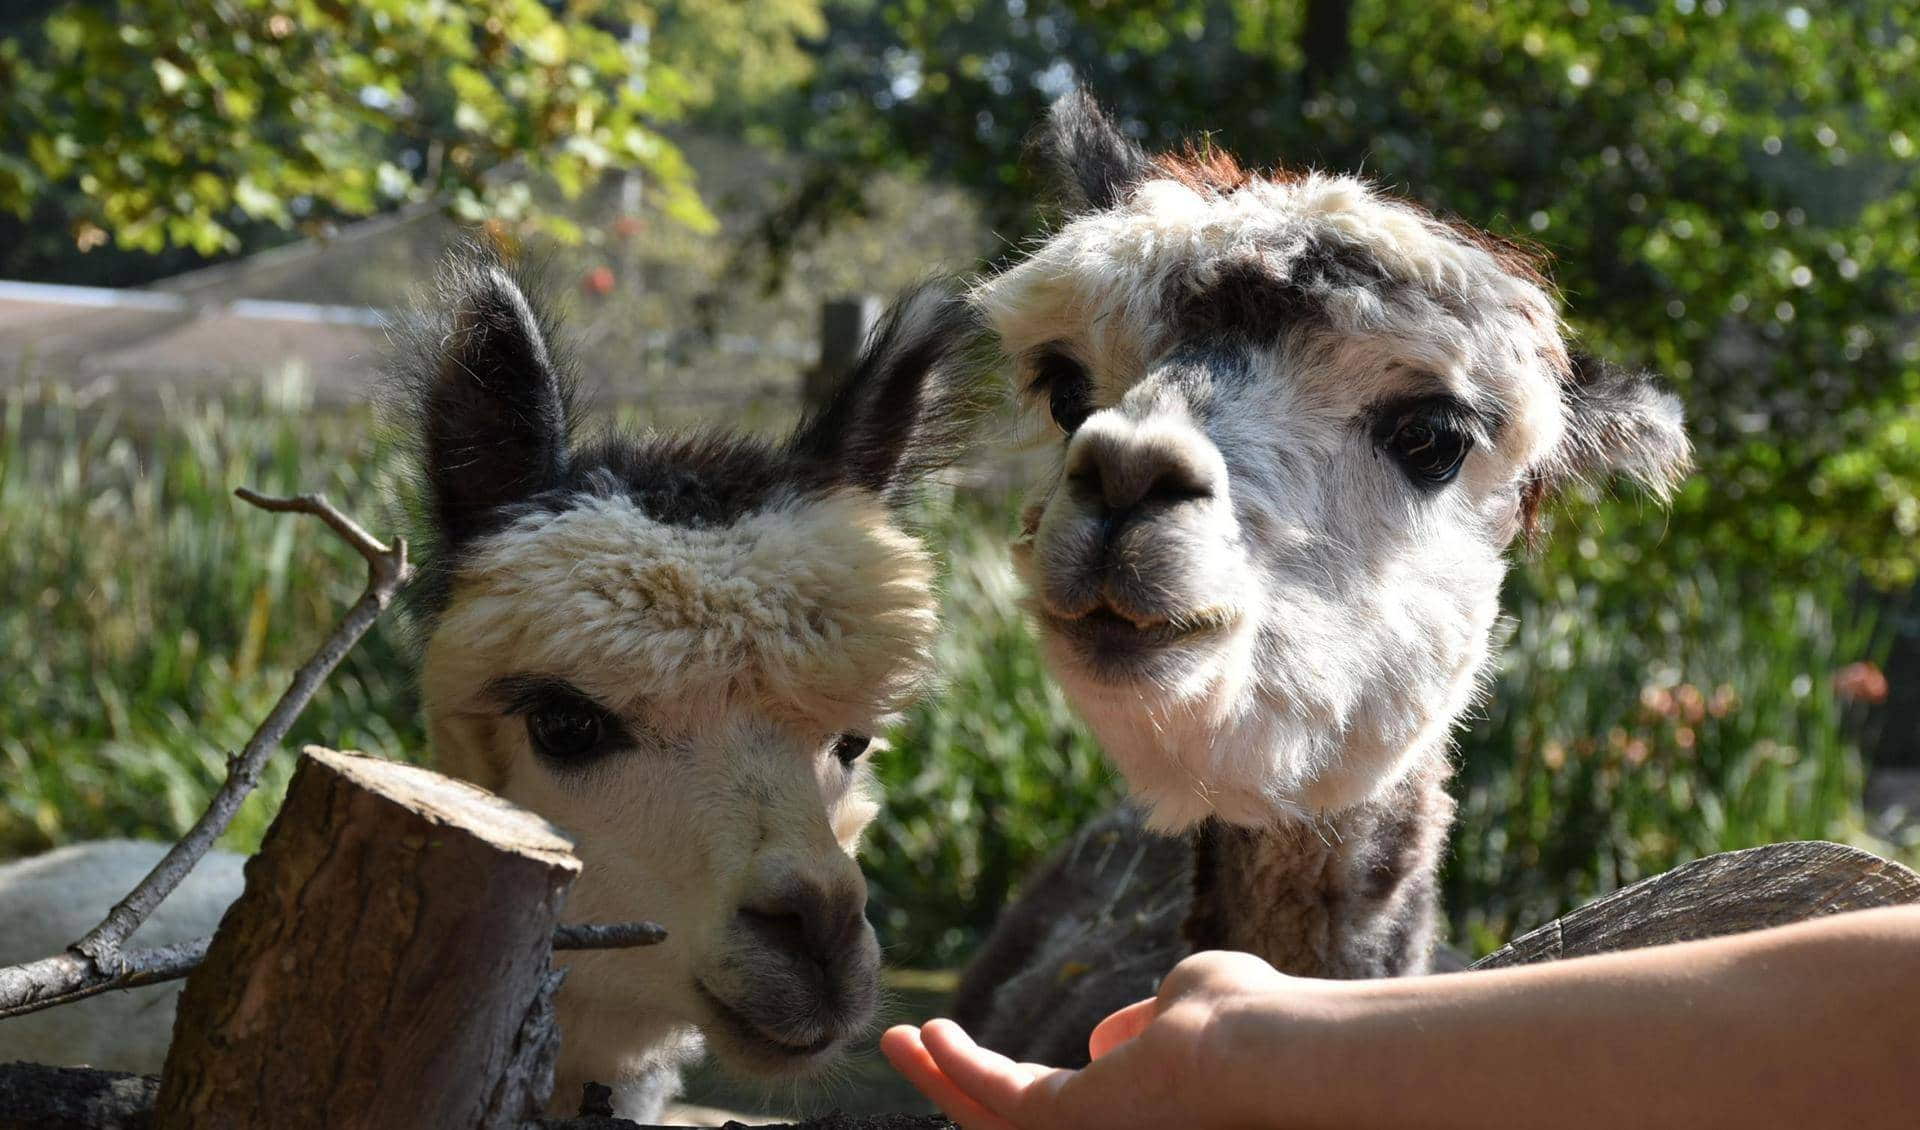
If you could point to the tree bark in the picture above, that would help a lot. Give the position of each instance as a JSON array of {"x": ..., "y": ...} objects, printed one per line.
[
  {"x": 1729, "y": 893},
  {"x": 387, "y": 964}
]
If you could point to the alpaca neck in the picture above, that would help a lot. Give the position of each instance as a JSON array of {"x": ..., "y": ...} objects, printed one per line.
[{"x": 1347, "y": 894}]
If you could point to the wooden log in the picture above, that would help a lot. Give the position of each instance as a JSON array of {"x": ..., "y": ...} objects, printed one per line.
[
  {"x": 34, "y": 1096},
  {"x": 386, "y": 965},
  {"x": 1729, "y": 893}
]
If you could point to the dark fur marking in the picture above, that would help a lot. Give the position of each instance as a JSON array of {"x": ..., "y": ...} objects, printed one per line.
[
  {"x": 1203, "y": 928},
  {"x": 1264, "y": 301}
]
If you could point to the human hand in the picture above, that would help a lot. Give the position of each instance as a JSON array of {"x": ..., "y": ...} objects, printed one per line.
[{"x": 1169, "y": 1061}]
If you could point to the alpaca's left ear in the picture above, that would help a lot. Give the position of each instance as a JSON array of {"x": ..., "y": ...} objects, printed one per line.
[
  {"x": 909, "y": 404},
  {"x": 1621, "y": 422}
]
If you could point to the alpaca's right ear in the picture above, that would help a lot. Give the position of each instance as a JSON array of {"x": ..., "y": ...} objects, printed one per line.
[
  {"x": 1092, "y": 160},
  {"x": 910, "y": 403},
  {"x": 493, "y": 406}
]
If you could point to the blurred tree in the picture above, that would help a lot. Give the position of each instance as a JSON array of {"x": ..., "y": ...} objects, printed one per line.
[
  {"x": 1729, "y": 189},
  {"x": 203, "y": 125}
]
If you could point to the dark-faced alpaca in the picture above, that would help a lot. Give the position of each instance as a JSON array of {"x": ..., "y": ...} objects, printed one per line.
[
  {"x": 1300, "y": 424},
  {"x": 676, "y": 648}
]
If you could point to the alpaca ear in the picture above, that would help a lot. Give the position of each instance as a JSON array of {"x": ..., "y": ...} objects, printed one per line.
[
  {"x": 1619, "y": 422},
  {"x": 910, "y": 402},
  {"x": 1092, "y": 161},
  {"x": 493, "y": 406}
]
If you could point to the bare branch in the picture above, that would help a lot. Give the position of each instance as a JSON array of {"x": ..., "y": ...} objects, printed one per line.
[
  {"x": 608, "y": 935},
  {"x": 95, "y": 962},
  {"x": 66, "y": 977}
]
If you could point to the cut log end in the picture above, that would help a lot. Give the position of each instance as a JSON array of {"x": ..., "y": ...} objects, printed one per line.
[
  {"x": 387, "y": 963},
  {"x": 459, "y": 805}
]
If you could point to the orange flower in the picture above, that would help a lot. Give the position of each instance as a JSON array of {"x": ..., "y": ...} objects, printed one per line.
[
  {"x": 1860, "y": 682},
  {"x": 598, "y": 281}
]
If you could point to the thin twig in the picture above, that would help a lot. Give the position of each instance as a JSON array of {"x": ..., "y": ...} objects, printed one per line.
[
  {"x": 96, "y": 959},
  {"x": 170, "y": 963},
  {"x": 608, "y": 935}
]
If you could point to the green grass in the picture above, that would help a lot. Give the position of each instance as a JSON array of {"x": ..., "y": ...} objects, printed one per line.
[{"x": 148, "y": 620}]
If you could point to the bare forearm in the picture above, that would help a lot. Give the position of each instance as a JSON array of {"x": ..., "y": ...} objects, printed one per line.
[{"x": 1808, "y": 1026}]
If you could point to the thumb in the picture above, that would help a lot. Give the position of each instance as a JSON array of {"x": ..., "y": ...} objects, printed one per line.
[{"x": 1122, "y": 1026}]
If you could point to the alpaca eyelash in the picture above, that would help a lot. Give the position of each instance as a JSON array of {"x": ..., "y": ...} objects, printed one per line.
[
  {"x": 1050, "y": 365},
  {"x": 524, "y": 695},
  {"x": 1064, "y": 384},
  {"x": 1437, "y": 410}
]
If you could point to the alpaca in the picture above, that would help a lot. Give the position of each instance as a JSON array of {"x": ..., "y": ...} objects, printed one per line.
[
  {"x": 675, "y": 646},
  {"x": 1300, "y": 422}
]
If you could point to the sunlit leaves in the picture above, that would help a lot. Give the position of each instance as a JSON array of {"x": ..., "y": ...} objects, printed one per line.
[{"x": 173, "y": 124}]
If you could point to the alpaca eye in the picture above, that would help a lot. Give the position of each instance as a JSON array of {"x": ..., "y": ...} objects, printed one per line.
[
  {"x": 849, "y": 747},
  {"x": 566, "y": 731},
  {"x": 1069, "y": 397},
  {"x": 1430, "y": 443}
]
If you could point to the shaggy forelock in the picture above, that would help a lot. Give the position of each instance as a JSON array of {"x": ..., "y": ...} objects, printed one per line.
[{"x": 818, "y": 607}]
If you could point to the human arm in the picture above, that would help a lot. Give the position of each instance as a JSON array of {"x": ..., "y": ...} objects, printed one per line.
[{"x": 1811, "y": 1025}]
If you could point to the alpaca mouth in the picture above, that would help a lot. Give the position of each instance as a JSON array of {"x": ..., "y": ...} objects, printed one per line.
[
  {"x": 756, "y": 1039},
  {"x": 1108, "y": 632}
]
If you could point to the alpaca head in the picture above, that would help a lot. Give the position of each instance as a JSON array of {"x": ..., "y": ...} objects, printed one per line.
[
  {"x": 1298, "y": 422},
  {"x": 677, "y": 647}
]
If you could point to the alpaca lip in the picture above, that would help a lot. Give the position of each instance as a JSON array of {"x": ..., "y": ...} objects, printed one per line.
[
  {"x": 752, "y": 1034},
  {"x": 1106, "y": 630}
]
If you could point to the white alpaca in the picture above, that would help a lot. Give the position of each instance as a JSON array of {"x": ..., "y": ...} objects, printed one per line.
[
  {"x": 674, "y": 646},
  {"x": 1300, "y": 422}
]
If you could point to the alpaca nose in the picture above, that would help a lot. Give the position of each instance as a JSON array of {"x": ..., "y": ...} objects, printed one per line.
[
  {"x": 807, "y": 921},
  {"x": 1124, "y": 469}
]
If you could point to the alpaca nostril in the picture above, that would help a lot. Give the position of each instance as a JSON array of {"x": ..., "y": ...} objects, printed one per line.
[
  {"x": 1121, "y": 479},
  {"x": 806, "y": 922},
  {"x": 775, "y": 930},
  {"x": 1177, "y": 482}
]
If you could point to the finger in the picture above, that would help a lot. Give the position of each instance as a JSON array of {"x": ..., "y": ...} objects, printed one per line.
[
  {"x": 1002, "y": 1086},
  {"x": 1122, "y": 1026},
  {"x": 904, "y": 1049}
]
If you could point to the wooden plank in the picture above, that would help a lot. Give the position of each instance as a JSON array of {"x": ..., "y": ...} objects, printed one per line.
[{"x": 1729, "y": 893}]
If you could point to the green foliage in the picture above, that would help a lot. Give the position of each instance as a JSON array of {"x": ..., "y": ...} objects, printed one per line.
[
  {"x": 1625, "y": 737},
  {"x": 152, "y": 619},
  {"x": 180, "y": 124}
]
